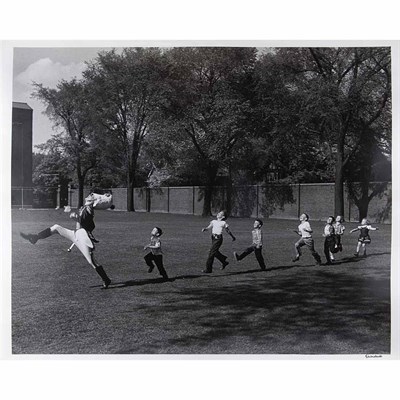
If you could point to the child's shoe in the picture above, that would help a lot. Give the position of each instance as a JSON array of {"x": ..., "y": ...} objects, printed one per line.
[
  {"x": 225, "y": 263},
  {"x": 32, "y": 238}
]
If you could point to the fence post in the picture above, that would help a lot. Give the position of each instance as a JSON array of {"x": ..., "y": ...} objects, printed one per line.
[
  {"x": 58, "y": 197},
  {"x": 193, "y": 196},
  {"x": 22, "y": 198},
  {"x": 349, "y": 209},
  {"x": 168, "y": 199},
  {"x": 298, "y": 201},
  {"x": 258, "y": 199},
  {"x": 69, "y": 195},
  {"x": 148, "y": 206}
]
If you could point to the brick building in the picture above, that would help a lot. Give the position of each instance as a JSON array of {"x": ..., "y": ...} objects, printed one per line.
[{"x": 21, "y": 156}]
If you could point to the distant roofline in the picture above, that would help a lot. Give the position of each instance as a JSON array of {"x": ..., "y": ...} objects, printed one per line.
[{"x": 17, "y": 104}]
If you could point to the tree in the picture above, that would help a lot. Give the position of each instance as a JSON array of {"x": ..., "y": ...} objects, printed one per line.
[
  {"x": 51, "y": 165},
  {"x": 169, "y": 154},
  {"x": 67, "y": 107},
  {"x": 346, "y": 93},
  {"x": 206, "y": 104},
  {"x": 125, "y": 96},
  {"x": 277, "y": 147},
  {"x": 368, "y": 172}
]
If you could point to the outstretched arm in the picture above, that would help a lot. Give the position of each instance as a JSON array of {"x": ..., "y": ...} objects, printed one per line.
[
  {"x": 207, "y": 228},
  {"x": 230, "y": 233}
]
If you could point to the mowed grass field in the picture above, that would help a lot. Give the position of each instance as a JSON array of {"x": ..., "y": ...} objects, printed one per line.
[{"x": 59, "y": 306}]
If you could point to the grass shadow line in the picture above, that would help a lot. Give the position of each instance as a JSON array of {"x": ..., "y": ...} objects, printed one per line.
[
  {"x": 142, "y": 282},
  {"x": 348, "y": 260}
]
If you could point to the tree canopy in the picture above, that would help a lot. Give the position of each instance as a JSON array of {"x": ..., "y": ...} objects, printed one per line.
[{"x": 227, "y": 115}]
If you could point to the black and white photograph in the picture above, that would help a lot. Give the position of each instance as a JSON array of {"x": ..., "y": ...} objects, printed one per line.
[
  {"x": 199, "y": 200},
  {"x": 202, "y": 199}
]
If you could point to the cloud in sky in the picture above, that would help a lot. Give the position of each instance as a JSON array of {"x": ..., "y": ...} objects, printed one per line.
[{"x": 49, "y": 73}]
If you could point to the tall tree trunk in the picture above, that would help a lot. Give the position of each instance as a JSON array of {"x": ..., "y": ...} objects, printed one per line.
[
  {"x": 339, "y": 177},
  {"x": 364, "y": 200},
  {"x": 209, "y": 189},
  {"x": 363, "y": 208},
  {"x": 229, "y": 193},
  {"x": 130, "y": 206},
  {"x": 81, "y": 181}
]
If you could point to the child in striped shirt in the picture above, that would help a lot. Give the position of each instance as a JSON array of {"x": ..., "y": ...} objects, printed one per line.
[
  {"x": 339, "y": 231},
  {"x": 330, "y": 240},
  {"x": 256, "y": 245}
]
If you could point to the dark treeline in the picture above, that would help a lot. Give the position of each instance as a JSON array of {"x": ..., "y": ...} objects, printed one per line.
[{"x": 224, "y": 116}]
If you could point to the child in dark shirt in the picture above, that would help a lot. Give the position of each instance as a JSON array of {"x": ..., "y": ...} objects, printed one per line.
[
  {"x": 256, "y": 245},
  {"x": 155, "y": 253}
]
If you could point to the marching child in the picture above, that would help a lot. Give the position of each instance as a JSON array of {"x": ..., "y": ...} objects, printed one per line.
[
  {"x": 217, "y": 226},
  {"x": 339, "y": 231},
  {"x": 364, "y": 237},
  {"x": 330, "y": 240},
  {"x": 85, "y": 217},
  {"x": 155, "y": 253},
  {"x": 79, "y": 237},
  {"x": 256, "y": 245},
  {"x": 85, "y": 214},
  {"x": 306, "y": 239}
]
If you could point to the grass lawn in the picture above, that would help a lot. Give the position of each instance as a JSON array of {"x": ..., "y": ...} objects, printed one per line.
[{"x": 58, "y": 306}]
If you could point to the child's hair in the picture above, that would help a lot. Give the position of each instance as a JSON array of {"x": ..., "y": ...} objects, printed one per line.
[
  {"x": 332, "y": 217},
  {"x": 307, "y": 216},
  {"x": 223, "y": 215},
  {"x": 364, "y": 221},
  {"x": 259, "y": 221},
  {"x": 159, "y": 230}
]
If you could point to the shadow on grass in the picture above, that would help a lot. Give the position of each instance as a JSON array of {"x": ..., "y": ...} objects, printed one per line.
[
  {"x": 325, "y": 314},
  {"x": 215, "y": 274},
  {"x": 138, "y": 282},
  {"x": 356, "y": 259},
  {"x": 377, "y": 254},
  {"x": 142, "y": 282},
  {"x": 346, "y": 260}
]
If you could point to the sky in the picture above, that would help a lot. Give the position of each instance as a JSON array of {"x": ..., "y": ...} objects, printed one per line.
[{"x": 46, "y": 66}]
